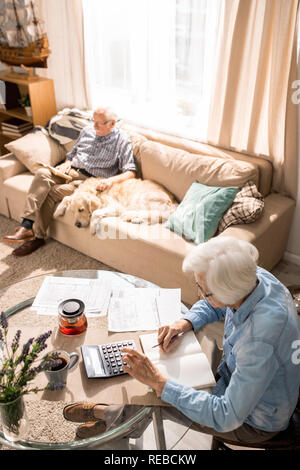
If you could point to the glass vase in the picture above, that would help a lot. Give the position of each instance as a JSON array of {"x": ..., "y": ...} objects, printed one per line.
[{"x": 14, "y": 421}]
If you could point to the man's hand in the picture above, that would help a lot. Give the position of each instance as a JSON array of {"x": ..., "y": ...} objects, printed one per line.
[
  {"x": 65, "y": 167},
  {"x": 104, "y": 184},
  {"x": 142, "y": 369}
]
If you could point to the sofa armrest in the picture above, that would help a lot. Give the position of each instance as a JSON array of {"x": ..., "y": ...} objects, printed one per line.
[{"x": 10, "y": 166}]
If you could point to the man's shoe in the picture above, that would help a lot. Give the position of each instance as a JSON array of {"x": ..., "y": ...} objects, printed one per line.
[
  {"x": 84, "y": 431},
  {"x": 22, "y": 235},
  {"x": 80, "y": 412},
  {"x": 29, "y": 247}
]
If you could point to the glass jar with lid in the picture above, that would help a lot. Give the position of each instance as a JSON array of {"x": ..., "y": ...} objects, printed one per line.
[{"x": 72, "y": 320}]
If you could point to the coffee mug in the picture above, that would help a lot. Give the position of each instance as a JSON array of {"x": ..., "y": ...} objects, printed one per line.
[{"x": 58, "y": 375}]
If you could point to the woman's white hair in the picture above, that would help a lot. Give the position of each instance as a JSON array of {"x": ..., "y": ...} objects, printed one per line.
[{"x": 229, "y": 266}]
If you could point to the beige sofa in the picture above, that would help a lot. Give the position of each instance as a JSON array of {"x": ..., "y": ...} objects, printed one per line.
[{"x": 154, "y": 252}]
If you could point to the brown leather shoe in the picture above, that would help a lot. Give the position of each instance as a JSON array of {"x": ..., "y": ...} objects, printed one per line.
[
  {"x": 84, "y": 431},
  {"x": 22, "y": 235},
  {"x": 29, "y": 247},
  {"x": 80, "y": 412}
]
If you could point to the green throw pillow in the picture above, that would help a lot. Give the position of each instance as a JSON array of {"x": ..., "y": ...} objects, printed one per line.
[{"x": 199, "y": 213}]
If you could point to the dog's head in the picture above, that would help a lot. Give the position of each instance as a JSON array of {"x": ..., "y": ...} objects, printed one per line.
[{"x": 81, "y": 206}]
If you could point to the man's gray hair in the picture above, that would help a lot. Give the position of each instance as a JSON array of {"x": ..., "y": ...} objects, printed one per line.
[
  {"x": 108, "y": 112},
  {"x": 229, "y": 266}
]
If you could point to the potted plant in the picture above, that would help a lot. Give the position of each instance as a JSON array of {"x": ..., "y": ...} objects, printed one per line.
[
  {"x": 18, "y": 368},
  {"x": 25, "y": 103}
]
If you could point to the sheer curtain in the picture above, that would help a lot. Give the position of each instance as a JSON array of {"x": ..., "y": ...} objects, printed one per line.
[
  {"x": 66, "y": 64},
  {"x": 153, "y": 60},
  {"x": 252, "y": 109}
]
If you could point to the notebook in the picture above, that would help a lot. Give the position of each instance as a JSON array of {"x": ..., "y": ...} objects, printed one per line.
[{"x": 187, "y": 364}]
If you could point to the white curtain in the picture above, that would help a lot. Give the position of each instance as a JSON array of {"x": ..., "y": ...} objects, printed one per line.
[
  {"x": 66, "y": 64},
  {"x": 153, "y": 60}
]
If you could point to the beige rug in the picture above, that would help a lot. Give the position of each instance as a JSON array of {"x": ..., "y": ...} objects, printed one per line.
[
  {"x": 46, "y": 420},
  {"x": 50, "y": 258}
]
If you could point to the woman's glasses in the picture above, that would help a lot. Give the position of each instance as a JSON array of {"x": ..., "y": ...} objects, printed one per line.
[{"x": 202, "y": 293}]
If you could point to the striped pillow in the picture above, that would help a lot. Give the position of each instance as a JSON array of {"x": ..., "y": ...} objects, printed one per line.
[{"x": 247, "y": 206}]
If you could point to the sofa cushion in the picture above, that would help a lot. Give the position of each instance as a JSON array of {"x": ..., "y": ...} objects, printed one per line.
[
  {"x": 176, "y": 170},
  {"x": 10, "y": 166},
  {"x": 198, "y": 215},
  {"x": 15, "y": 190},
  {"x": 265, "y": 169},
  {"x": 247, "y": 206},
  {"x": 34, "y": 148}
]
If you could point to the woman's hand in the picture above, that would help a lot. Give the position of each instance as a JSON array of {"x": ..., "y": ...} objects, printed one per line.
[
  {"x": 142, "y": 369},
  {"x": 168, "y": 334}
]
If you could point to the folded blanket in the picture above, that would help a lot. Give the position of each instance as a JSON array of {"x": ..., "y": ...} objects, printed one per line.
[{"x": 67, "y": 124}]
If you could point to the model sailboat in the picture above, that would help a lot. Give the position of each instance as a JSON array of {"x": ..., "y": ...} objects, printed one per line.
[{"x": 23, "y": 40}]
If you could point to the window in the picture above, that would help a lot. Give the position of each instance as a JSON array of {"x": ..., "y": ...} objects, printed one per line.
[{"x": 153, "y": 60}]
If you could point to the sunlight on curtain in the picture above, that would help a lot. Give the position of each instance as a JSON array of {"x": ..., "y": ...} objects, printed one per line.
[{"x": 153, "y": 60}]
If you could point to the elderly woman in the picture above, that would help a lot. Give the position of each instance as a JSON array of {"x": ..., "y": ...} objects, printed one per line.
[{"x": 257, "y": 380}]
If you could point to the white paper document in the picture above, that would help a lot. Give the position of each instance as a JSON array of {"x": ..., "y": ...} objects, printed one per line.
[
  {"x": 142, "y": 309},
  {"x": 94, "y": 293}
]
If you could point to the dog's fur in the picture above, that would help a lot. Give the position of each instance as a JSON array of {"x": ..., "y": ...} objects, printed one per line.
[{"x": 135, "y": 200}]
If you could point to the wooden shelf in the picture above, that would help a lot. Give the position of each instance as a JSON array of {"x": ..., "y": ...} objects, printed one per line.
[
  {"x": 18, "y": 113},
  {"x": 19, "y": 80},
  {"x": 42, "y": 99}
]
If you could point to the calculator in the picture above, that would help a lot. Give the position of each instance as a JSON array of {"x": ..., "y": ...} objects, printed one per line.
[{"x": 105, "y": 360}]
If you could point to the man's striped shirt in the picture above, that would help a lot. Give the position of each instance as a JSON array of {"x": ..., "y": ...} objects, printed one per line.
[{"x": 102, "y": 156}]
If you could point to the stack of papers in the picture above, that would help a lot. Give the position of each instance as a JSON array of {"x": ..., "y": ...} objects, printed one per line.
[
  {"x": 142, "y": 309},
  {"x": 94, "y": 293}
]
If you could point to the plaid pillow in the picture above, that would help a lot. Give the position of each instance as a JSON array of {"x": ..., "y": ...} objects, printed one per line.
[{"x": 247, "y": 206}]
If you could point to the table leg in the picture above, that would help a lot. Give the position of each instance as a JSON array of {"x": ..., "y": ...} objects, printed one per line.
[{"x": 158, "y": 427}]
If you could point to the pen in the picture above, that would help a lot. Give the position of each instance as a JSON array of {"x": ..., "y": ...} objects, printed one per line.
[{"x": 172, "y": 339}]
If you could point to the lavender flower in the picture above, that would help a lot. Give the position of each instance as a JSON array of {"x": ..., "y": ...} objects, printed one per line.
[
  {"x": 18, "y": 367},
  {"x": 26, "y": 347},
  {"x": 3, "y": 321},
  {"x": 16, "y": 340},
  {"x": 42, "y": 338}
]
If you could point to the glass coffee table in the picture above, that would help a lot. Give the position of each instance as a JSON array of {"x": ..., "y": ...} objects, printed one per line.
[{"x": 48, "y": 429}]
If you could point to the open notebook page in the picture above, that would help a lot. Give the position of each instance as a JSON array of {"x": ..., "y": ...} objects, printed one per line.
[
  {"x": 188, "y": 345},
  {"x": 187, "y": 364}
]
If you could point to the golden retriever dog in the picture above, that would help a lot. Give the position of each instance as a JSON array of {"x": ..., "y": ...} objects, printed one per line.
[{"x": 134, "y": 200}]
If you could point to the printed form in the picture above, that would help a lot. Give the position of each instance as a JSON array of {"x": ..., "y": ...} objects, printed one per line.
[
  {"x": 94, "y": 293},
  {"x": 143, "y": 308}
]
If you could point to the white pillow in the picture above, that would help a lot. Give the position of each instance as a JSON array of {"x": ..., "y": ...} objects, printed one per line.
[{"x": 36, "y": 147}]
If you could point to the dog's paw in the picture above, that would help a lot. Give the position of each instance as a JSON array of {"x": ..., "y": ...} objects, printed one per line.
[
  {"x": 94, "y": 223},
  {"x": 137, "y": 220},
  {"x": 93, "y": 227}
]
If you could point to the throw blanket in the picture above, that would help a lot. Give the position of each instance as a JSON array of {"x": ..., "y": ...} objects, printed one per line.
[{"x": 66, "y": 126}]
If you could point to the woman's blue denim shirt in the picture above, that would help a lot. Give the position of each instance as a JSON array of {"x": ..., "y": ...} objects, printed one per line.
[{"x": 260, "y": 368}]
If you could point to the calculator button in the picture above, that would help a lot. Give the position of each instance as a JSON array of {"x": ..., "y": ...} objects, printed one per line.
[
  {"x": 124, "y": 343},
  {"x": 121, "y": 369}
]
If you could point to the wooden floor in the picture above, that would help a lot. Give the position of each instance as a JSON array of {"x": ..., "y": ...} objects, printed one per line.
[{"x": 178, "y": 437}]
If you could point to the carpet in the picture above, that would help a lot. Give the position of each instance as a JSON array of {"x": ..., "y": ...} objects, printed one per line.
[
  {"x": 46, "y": 420},
  {"x": 51, "y": 257}
]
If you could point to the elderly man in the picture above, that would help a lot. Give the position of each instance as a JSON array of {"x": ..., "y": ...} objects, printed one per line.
[
  {"x": 258, "y": 377},
  {"x": 102, "y": 150}
]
